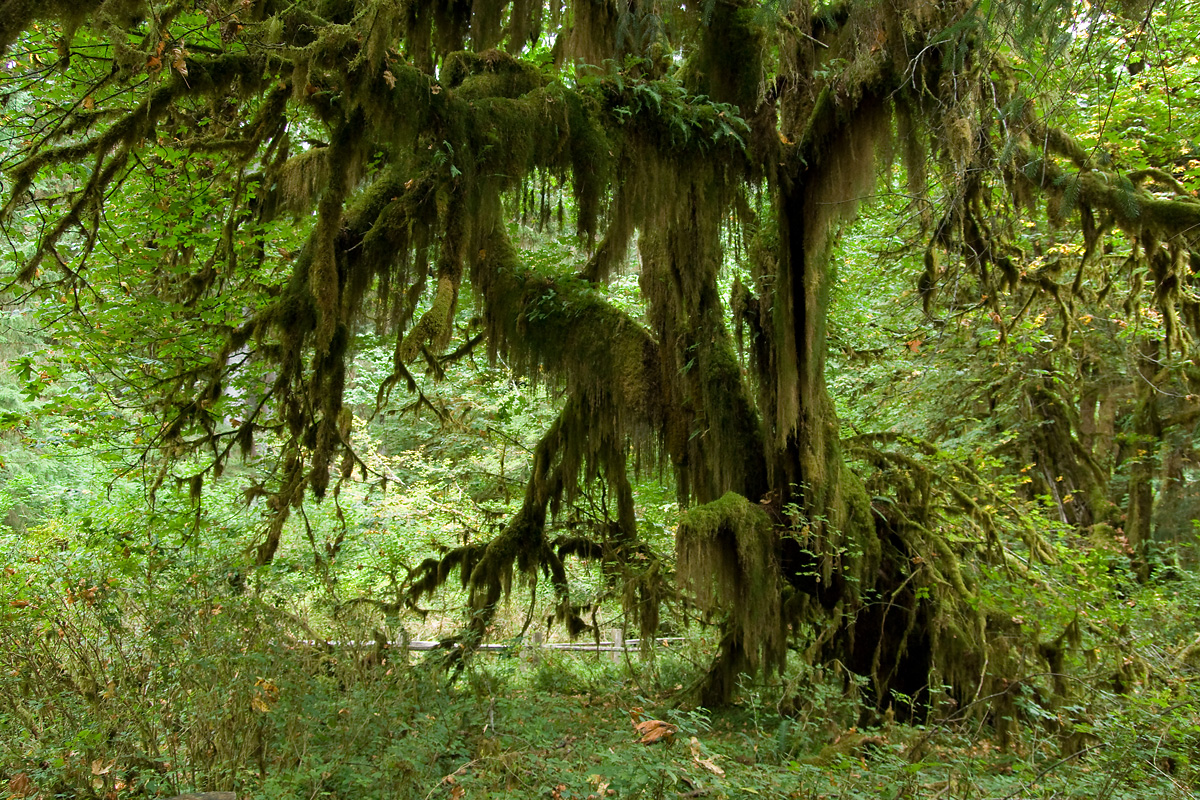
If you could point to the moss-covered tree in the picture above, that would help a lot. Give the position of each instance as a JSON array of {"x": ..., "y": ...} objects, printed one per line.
[{"x": 402, "y": 137}]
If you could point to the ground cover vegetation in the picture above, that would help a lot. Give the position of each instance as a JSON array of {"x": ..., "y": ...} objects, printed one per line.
[{"x": 855, "y": 340}]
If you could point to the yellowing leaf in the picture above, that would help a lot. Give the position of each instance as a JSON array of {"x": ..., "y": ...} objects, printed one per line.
[{"x": 266, "y": 694}]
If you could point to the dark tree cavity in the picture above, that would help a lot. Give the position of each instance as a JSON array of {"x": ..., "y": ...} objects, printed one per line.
[{"x": 402, "y": 137}]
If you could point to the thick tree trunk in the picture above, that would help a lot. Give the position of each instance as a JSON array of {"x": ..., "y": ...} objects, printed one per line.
[
  {"x": 819, "y": 186},
  {"x": 809, "y": 467},
  {"x": 858, "y": 565}
]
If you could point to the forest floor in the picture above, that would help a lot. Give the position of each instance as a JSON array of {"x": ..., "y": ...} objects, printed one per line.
[
  {"x": 276, "y": 722},
  {"x": 140, "y": 688},
  {"x": 568, "y": 728}
]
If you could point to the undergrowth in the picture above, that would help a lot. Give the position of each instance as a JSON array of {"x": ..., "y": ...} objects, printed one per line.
[{"x": 120, "y": 683}]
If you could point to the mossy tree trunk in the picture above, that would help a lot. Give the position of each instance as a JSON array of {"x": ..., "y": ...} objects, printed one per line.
[{"x": 841, "y": 554}]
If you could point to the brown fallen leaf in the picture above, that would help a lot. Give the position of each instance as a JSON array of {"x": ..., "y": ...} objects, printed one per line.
[
  {"x": 655, "y": 730},
  {"x": 707, "y": 763},
  {"x": 21, "y": 786}
]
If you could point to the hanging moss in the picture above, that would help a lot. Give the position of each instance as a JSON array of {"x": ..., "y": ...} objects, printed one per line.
[
  {"x": 487, "y": 17},
  {"x": 914, "y": 158},
  {"x": 727, "y": 560},
  {"x": 613, "y": 249},
  {"x": 419, "y": 39},
  {"x": 592, "y": 37},
  {"x": 728, "y": 64},
  {"x": 835, "y": 163},
  {"x": 1132, "y": 207},
  {"x": 523, "y": 547},
  {"x": 451, "y": 23},
  {"x": 562, "y": 329},
  {"x": 524, "y": 24}
]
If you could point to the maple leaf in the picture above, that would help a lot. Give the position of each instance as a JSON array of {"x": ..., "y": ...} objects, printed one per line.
[{"x": 655, "y": 730}]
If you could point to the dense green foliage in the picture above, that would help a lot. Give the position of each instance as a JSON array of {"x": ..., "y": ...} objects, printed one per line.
[{"x": 854, "y": 340}]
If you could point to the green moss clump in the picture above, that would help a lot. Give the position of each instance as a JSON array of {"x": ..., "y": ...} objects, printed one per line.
[
  {"x": 727, "y": 557},
  {"x": 492, "y": 73}
]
